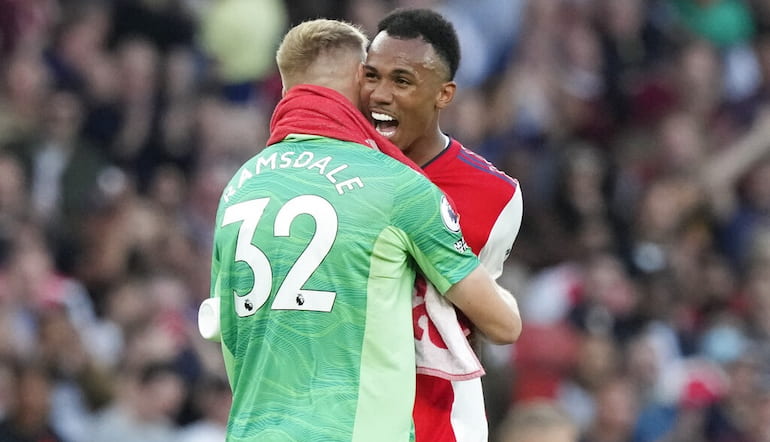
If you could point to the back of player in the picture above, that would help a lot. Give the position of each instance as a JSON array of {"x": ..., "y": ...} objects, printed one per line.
[{"x": 311, "y": 265}]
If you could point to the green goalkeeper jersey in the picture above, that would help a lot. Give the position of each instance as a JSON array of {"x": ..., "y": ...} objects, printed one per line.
[{"x": 316, "y": 246}]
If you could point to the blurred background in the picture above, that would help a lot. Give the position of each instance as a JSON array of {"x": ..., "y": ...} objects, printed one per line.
[{"x": 639, "y": 130}]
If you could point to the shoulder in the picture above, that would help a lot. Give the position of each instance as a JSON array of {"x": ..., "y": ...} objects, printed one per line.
[
  {"x": 463, "y": 171},
  {"x": 483, "y": 169}
]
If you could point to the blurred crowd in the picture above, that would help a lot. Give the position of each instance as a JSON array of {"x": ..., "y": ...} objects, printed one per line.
[{"x": 639, "y": 130}]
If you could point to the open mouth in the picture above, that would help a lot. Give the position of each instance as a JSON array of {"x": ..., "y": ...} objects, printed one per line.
[{"x": 385, "y": 124}]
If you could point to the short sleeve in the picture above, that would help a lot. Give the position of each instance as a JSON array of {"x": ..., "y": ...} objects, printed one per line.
[{"x": 432, "y": 229}]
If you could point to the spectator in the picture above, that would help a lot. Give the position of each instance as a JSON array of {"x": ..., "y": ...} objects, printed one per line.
[
  {"x": 212, "y": 400},
  {"x": 537, "y": 421},
  {"x": 148, "y": 398},
  {"x": 28, "y": 418},
  {"x": 639, "y": 129}
]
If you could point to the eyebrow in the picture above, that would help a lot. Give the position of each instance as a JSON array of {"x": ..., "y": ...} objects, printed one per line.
[
  {"x": 402, "y": 72},
  {"x": 398, "y": 71}
]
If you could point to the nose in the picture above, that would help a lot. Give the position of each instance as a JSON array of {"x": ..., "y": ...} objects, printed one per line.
[{"x": 380, "y": 92}]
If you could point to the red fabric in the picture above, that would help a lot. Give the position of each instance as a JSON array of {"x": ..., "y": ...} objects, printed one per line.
[
  {"x": 317, "y": 110},
  {"x": 420, "y": 311},
  {"x": 432, "y": 413},
  {"x": 479, "y": 192},
  {"x": 706, "y": 384},
  {"x": 478, "y": 189}
]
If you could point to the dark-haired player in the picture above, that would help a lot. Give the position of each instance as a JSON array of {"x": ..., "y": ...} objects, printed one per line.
[
  {"x": 408, "y": 80},
  {"x": 316, "y": 244}
]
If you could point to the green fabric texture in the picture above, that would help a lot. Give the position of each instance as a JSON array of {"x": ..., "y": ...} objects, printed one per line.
[
  {"x": 722, "y": 22},
  {"x": 316, "y": 246}
]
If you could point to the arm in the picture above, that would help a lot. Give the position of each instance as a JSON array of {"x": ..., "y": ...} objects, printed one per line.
[
  {"x": 438, "y": 247},
  {"x": 490, "y": 307},
  {"x": 496, "y": 250},
  {"x": 722, "y": 169}
]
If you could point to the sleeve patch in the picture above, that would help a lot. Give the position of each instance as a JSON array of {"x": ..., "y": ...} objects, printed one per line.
[{"x": 449, "y": 216}]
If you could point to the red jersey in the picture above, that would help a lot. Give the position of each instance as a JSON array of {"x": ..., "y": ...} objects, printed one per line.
[{"x": 490, "y": 206}]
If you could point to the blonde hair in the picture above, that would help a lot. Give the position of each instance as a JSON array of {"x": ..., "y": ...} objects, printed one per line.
[{"x": 305, "y": 43}]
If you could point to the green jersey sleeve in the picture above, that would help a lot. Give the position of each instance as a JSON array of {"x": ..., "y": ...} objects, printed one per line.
[{"x": 433, "y": 234}]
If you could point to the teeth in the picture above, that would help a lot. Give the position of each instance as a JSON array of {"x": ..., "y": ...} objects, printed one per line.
[
  {"x": 387, "y": 133},
  {"x": 381, "y": 117}
]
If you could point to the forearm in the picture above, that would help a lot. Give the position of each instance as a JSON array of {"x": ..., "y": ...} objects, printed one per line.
[
  {"x": 513, "y": 305},
  {"x": 488, "y": 306}
]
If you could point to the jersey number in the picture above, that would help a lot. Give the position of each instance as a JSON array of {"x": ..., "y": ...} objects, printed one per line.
[{"x": 291, "y": 295}]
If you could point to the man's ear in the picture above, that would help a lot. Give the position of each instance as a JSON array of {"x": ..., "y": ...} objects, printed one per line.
[
  {"x": 284, "y": 88},
  {"x": 446, "y": 94}
]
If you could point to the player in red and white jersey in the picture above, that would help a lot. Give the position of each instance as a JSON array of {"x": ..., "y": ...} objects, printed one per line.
[
  {"x": 490, "y": 207},
  {"x": 488, "y": 200},
  {"x": 408, "y": 80}
]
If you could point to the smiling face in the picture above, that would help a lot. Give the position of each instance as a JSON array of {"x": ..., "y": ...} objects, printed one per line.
[{"x": 405, "y": 85}]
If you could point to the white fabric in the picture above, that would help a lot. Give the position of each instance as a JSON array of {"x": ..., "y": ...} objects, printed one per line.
[
  {"x": 503, "y": 234},
  {"x": 457, "y": 361},
  {"x": 469, "y": 417}
]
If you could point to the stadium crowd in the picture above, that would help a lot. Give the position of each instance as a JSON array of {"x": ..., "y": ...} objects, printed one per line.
[{"x": 639, "y": 130}]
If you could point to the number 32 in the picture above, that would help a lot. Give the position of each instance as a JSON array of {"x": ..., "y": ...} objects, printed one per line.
[{"x": 291, "y": 295}]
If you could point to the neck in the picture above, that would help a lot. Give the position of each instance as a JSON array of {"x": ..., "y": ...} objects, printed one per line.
[{"x": 425, "y": 149}]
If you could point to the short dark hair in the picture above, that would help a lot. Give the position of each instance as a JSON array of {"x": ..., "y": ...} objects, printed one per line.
[{"x": 431, "y": 26}]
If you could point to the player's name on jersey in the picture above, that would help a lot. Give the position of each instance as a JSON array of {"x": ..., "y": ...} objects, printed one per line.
[{"x": 325, "y": 167}]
